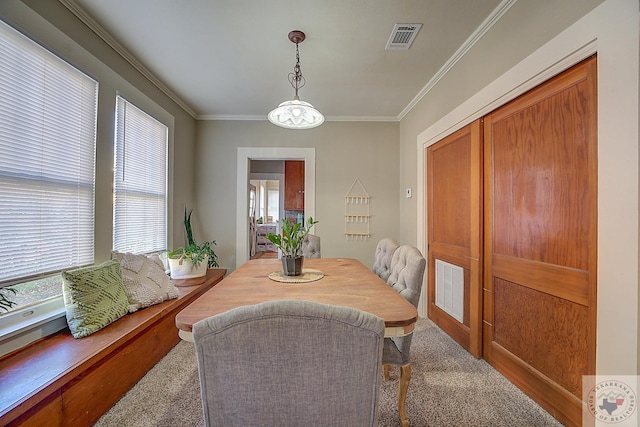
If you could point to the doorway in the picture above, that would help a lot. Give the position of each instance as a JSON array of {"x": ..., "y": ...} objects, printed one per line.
[
  {"x": 244, "y": 156},
  {"x": 269, "y": 206}
]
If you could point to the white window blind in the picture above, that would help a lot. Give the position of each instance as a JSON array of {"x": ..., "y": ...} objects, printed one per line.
[
  {"x": 140, "y": 182},
  {"x": 47, "y": 160}
]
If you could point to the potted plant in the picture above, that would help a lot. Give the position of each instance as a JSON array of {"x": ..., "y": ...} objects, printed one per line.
[
  {"x": 5, "y": 302},
  {"x": 290, "y": 243},
  {"x": 191, "y": 261}
]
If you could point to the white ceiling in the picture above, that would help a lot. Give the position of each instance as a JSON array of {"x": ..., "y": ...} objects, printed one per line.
[{"x": 231, "y": 58}]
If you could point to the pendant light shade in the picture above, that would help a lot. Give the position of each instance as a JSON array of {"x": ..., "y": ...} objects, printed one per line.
[{"x": 296, "y": 114}]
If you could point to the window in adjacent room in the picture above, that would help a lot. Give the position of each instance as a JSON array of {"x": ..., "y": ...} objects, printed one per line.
[
  {"x": 262, "y": 205},
  {"x": 273, "y": 201},
  {"x": 140, "y": 181},
  {"x": 48, "y": 112}
]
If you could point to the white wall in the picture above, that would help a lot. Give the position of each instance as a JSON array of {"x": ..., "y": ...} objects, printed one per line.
[{"x": 344, "y": 151}]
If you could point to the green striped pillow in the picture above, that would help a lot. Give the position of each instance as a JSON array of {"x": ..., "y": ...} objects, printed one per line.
[{"x": 94, "y": 297}]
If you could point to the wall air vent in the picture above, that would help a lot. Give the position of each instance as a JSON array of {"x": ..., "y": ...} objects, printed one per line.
[
  {"x": 450, "y": 289},
  {"x": 402, "y": 36}
]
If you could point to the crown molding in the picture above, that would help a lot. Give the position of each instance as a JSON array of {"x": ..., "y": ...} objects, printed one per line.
[
  {"x": 124, "y": 53},
  {"x": 230, "y": 117},
  {"x": 494, "y": 17},
  {"x": 327, "y": 119},
  {"x": 363, "y": 119}
]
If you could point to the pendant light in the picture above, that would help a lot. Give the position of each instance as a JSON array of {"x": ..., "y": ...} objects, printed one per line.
[{"x": 296, "y": 114}]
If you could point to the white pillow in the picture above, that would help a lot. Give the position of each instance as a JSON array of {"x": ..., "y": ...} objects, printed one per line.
[{"x": 145, "y": 280}]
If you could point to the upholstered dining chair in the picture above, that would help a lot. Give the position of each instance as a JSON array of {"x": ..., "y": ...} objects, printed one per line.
[
  {"x": 384, "y": 254},
  {"x": 407, "y": 272},
  {"x": 311, "y": 246},
  {"x": 267, "y": 365}
]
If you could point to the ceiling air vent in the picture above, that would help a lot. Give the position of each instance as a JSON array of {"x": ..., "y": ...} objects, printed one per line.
[{"x": 402, "y": 36}]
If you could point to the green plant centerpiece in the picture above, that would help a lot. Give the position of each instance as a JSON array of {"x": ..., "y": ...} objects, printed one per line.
[
  {"x": 191, "y": 261},
  {"x": 290, "y": 243}
]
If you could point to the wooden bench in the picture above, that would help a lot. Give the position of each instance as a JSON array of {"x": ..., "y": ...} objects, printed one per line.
[{"x": 63, "y": 381}]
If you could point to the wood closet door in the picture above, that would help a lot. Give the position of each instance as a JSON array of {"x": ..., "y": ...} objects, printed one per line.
[
  {"x": 540, "y": 240},
  {"x": 454, "y": 198}
]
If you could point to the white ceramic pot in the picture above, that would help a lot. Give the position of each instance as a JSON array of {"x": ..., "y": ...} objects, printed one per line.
[{"x": 186, "y": 270}]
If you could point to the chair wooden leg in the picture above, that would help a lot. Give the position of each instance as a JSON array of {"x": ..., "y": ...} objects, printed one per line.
[
  {"x": 403, "y": 388},
  {"x": 385, "y": 371}
]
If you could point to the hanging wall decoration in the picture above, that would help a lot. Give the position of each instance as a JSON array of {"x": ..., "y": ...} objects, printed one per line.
[{"x": 357, "y": 212}]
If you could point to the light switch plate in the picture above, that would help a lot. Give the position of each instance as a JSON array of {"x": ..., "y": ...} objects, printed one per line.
[{"x": 408, "y": 193}]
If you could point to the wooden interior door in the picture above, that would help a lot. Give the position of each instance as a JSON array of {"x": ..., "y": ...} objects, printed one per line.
[
  {"x": 454, "y": 198},
  {"x": 540, "y": 240},
  {"x": 294, "y": 185}
]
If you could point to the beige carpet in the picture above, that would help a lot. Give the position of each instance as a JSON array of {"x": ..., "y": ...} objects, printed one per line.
[{"x": 449, "y": 387}]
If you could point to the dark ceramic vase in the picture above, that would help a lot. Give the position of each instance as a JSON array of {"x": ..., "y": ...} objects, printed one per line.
[{"x": 292, "y": 266}]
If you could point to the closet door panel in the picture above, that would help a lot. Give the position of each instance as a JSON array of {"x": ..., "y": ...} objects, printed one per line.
[
  {"x": 454, "y": 167},
  {"x": 540, "y": 239},
  {"x": 553, "y": 345}
]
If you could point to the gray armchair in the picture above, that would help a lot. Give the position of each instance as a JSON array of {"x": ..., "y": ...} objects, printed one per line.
[
  {"x": 384, "y": 254},
  {"x": 311, "y": 246},
  {"x": 268, "y": 365},
  {"x": 407, "y": 272}
]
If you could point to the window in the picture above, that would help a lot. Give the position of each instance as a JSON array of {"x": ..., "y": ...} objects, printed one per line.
[
  {"x": 140, "y": 181},
  {"x": 48, "y": 113},
  {"x": 263, "y": 204},
  {"x": 273, "y": 208}
]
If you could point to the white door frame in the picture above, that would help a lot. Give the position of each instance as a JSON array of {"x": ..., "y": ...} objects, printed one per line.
[{"x": 245, "y": 155}]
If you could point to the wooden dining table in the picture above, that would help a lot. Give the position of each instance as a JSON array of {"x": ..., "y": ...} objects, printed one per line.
[{"x": 343, "y": 282}]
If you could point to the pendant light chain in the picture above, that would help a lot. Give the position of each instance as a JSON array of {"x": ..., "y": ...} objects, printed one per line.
[{"x": 296, "y": 78}]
